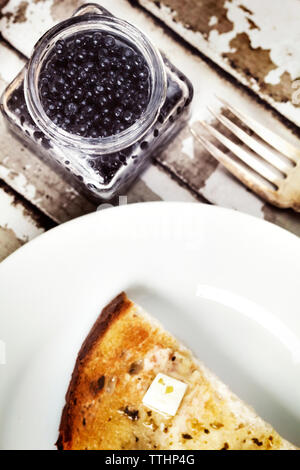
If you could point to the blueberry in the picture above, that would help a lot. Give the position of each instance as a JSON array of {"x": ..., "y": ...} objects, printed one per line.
[
  {"x": 82, "y": 76},
  {"x": 94, "y": 84},
  {"x": 59, "y": 45},
  {"x": 67, "y": 121},
  {"x": 114, "y": 63},
  {"x": 143, "y": 75},
  {"x": 44, "y": 92},
  {"x": 119, "y": 94},
  {"x": 121, "y": 79},
  {"x": 109, "y": 87},
  {"x": 43, "y": 82},
  {"x": 80, "y": 118},
  {"x": 138, "y": 61},
  {"x": 73, "y": 84},
  {"x": 78, "y": 94},
  {"x": 72, "y": 72},
  {"x": 93, "y": 78},
  {"x": 127, "y": 53},
  {"x": 112, "y": 75},
  {"x": 60, "y": 83},
  {"x": 127, "y": 85},
  {"x": 88, "y": 109},
  {"x": 38, "y": 135},
  {"x": 139, "y": 108},
  {"x": 52, "y": 88},
  {"x": 118, "y": 112},
  {"x": 82, "y": 129},
  {"x": 80, "y": 56},
  {"x": 128, "y": 67},
  {"x": 70, "y": 109},
  {"x": 107, "y": 122},
  {"x": 144, "y": 145},
  {"x": 94, "y": 133},
  {"x": 88, "y": 66},
  {"x": 103, "y": 100},
  {"x": 103, "y": 52},
  {"x": 99, "y": 89},
  {"x": 128, "y": 115},
  {"x": 97, "y": 38},
  {"x": 104, "y": 62},
  {"x": 142, "y": 86},
  {"x": 110, "y": 42},
  {"x": 89, "y": 96}
]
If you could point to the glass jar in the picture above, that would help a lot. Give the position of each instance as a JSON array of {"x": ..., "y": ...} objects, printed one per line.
[{"x": 105, "y": 165}]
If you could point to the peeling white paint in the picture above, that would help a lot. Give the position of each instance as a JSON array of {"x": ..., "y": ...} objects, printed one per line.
[
  {"x": 13, "y": 65},
  {"x": 213, "y": 21},
  {"x": 20, "y": 183},
  {"x": 188, "y": 147},
  {"x": 220, "y": 43},
  {"x": 273, "y": 18},
  {"x": 278, "y": 31},
  {"x": 25, "y": 35},
  {"x": 13, "y": 216}
]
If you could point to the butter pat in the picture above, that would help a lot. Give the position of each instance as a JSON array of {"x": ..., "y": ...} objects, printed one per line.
[{"x": 165, "y": 394}]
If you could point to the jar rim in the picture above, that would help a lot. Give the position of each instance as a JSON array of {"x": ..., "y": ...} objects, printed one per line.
[{"x": 116, "y": 142}]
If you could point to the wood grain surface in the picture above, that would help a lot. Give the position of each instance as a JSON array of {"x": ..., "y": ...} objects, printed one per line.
[
  {"x": 184, "y": 171},
  {"x": 19, "y": 222},
  {"x": 255, "y": 41}
]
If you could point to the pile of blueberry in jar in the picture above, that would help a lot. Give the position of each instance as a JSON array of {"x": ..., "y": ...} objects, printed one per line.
[
  {"x": 94, "y": 84},
  {"x": 96, "y": 101}
]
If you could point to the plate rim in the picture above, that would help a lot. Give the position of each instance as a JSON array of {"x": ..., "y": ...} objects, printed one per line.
[{"x": 42, "y": 238}]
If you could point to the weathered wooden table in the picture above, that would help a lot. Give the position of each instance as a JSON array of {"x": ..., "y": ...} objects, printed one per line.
[{"x": 246, "y": 51}]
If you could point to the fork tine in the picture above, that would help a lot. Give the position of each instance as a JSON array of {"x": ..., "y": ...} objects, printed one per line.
[
  {"x": 280, "y": 144},
  {"x": 269, "y": 156},
  {"x": 250, "y": 179},
  {"x": 245, "y": 156}
]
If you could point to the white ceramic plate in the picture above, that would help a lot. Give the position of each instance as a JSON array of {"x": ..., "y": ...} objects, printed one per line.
[{"x": 224, "y": 283}]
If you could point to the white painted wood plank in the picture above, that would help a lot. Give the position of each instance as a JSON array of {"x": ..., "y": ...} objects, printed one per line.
[
  {"x": 161, "y": 183},
  {"x": 185, "y": 158},
  {"x": 15, "y": 216},
  {"x": 269, "y": 29},
  {"x": 269, "y": 26},
  {"x": 17, "y": 226}
]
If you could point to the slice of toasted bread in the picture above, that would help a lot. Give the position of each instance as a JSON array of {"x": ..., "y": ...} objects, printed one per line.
[{"x": 117, "y": 363}]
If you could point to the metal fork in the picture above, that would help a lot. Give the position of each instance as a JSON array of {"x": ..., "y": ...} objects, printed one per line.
[{"x": 272, "y": 170}]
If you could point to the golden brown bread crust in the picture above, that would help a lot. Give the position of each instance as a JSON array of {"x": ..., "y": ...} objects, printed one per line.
[
  {"x": 117, "y": 363},
  {"x": 110, "y": 313}
]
